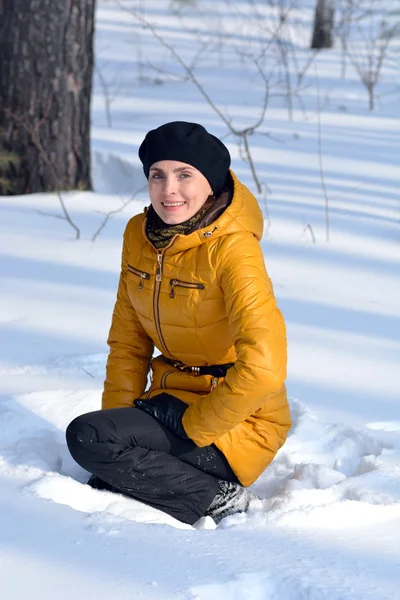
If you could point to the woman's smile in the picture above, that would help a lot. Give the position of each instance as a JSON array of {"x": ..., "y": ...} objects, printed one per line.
[{"x": 172, "y": 205}]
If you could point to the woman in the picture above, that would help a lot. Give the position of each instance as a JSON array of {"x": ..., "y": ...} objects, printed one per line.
[{"x": 193, "y": 284}]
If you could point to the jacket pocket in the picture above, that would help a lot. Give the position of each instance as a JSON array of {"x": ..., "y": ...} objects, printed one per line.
[
  {"x": 142, "y": 274},
  {"x": 185, "y": 284}
]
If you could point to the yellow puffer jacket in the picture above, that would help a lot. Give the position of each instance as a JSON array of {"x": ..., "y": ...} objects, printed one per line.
[{"x": 206, "y": 299}]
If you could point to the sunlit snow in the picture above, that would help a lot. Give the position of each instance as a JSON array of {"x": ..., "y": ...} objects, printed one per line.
[{"x": 327, "y": 526}]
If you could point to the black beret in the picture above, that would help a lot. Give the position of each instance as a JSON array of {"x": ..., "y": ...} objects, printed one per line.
[{"x": 189, "y": 143}]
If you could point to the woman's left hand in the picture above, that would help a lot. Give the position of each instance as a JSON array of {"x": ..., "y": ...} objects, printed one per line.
[{"x": 167, "y": 409}]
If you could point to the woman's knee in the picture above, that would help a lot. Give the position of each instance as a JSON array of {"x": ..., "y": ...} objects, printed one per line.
[
  {"x": 91, "y": 429},
  {"x": 79, "y": 434}
]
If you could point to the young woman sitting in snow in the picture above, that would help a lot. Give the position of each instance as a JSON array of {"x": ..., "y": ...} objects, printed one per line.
[{"x": 193, "y": 284}]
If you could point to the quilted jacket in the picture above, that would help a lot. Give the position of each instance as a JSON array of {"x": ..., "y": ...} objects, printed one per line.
[{"x": 205, "y": 299}]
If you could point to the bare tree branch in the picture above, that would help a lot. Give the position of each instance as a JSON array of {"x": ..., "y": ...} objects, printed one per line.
[
  {"x": 46, "y": 214},
  {"x": 376, "y": 37},
  {"x": 320, "y": 160},
  {"x": 244, "y": 133},
  {"x": 106, "y": 93},
  {"x": 111, "y": 213}
]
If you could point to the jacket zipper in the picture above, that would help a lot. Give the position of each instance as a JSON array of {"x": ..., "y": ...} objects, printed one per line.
[
  {"x": 141, "y": 274},
  {"x": 185, "y": 284},
  {"x": 156, "y": 298},
  {"x": 157, "y": 286}
]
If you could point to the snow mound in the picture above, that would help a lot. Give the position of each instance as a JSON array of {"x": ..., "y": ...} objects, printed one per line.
[
  {"x": 329, "y": 476},
  {"x": 263, "y": 586},
  {"x": 64, "y": 490}
]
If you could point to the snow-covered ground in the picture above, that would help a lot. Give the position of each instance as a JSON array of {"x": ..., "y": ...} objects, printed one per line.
[{"x": 328, "y": 524}]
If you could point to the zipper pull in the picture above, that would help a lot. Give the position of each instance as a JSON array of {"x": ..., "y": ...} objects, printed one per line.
[
  {"x": 173, "y": 283},
  {"x": 159, "y": 267},
  {"x": 214, "y": 383},
  {"x": 140, "y": 286},
  {"x": 209, "y": 233}
]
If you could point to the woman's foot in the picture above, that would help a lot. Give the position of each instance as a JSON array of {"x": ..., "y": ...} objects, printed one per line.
[
  {"x": 231, "y": 498},
  {"x": 99, "y": 484}
]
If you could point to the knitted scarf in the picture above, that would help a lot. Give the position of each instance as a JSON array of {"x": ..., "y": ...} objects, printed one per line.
[{"x": 160, "y": 233}]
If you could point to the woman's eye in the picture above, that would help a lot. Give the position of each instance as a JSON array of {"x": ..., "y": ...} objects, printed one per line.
[
  {"x": 156, "y": 176},
  {"x": 184, "y": 175}
]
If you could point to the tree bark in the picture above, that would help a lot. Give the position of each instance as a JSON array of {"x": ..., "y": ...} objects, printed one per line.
[
  {"x": 323, "y": 24},
  {"x": 45, "y": 88}
]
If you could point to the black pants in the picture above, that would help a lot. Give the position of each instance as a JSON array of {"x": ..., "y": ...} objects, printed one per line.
[{"x": 131, "y": 451}]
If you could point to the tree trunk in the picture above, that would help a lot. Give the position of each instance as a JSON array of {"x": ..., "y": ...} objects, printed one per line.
[
  {"x": 323, "y": 24},
  {"x": 45, "y": 87}
]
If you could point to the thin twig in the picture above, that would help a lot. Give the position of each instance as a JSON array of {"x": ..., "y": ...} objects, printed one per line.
[
  {"x": 252, "y": 167},
  {"x": 87, "y": 373},
  {"x": 106, "y": 94},
  {"x": 276, "y": 36},
  {"x": 321, "y": 167},
  {"x": 310, "y": 229},
  {"x": 46, "y": 214},
  {"x": 111, "y": 213},
  {"x": 33, "y": 132}
]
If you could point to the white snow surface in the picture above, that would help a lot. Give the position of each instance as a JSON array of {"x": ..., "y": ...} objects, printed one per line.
[{"x": 327, "y": 525}]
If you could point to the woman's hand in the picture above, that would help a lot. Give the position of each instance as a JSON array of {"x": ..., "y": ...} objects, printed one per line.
[{"x": 167, "y": 409}]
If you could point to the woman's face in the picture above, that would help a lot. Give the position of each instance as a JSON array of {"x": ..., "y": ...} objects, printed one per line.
[{"x": 177, "y": 190}]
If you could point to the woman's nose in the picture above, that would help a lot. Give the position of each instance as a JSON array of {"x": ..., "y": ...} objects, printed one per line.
[{"x": 170, "y": 185}]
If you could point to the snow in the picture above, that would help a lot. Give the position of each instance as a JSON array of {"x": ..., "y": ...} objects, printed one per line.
[{"x": 327, "y": 525}]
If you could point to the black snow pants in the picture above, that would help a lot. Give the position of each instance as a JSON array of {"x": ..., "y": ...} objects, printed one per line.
[{"x": 137, "y": 456}]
